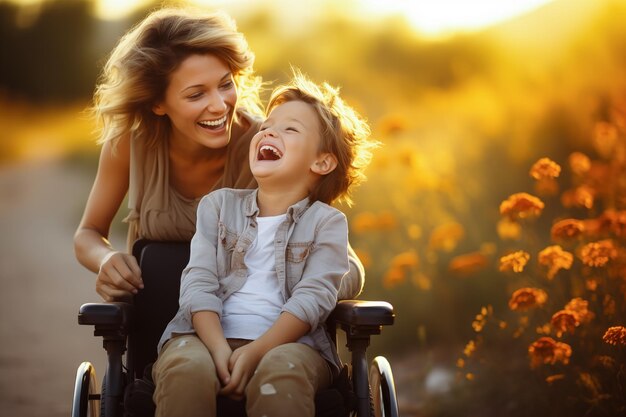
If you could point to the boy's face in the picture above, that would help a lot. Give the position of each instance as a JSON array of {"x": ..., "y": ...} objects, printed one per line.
[{"x": 286, "y": 149}]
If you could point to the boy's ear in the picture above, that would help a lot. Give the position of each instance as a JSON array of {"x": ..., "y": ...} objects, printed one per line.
[
  {"x": 324, "y": 164},
  {"x": 158, "y": 109}
]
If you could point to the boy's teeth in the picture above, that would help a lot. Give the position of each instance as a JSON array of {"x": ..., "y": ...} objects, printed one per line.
[{"x": 269, "y": 152}]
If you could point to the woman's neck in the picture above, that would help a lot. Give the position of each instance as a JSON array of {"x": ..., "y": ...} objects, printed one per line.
[{"x": 192, "y": 152}]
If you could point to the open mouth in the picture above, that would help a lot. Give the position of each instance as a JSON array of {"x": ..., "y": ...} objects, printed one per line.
[
  {"x": 214, "y": 124},
  {"x": 269, "y": 153}
]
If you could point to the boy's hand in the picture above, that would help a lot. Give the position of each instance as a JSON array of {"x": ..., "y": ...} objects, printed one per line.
[
  {"x": 242, "y": 364},
  {"x": 221, "y": 358}
]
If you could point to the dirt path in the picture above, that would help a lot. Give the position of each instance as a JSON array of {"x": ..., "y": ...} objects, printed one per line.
[{"x": 42, "y": 287}]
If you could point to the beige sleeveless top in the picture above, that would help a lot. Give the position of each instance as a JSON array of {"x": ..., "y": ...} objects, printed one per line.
[{"x": 157, "y": 210}]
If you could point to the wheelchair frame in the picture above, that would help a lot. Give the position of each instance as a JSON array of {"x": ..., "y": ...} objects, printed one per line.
[{"x": 117, "y": 323}]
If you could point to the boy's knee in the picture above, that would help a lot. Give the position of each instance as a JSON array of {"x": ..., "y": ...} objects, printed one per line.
[{"x": 185, "y": 365}]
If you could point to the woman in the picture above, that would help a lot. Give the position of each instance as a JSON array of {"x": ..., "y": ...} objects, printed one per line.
[{"x": 179, "y": 104}]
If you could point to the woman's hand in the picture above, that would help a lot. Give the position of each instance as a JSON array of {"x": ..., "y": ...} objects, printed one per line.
[
  {"x": 118, "y": 277},
  {"x": 242, "y": 364}
]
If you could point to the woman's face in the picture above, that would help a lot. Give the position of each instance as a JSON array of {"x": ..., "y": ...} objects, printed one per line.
[{"x": 200, "y": 101}]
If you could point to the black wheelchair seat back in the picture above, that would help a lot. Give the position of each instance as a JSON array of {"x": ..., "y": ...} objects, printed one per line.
[{"x": 156, "y": 304}]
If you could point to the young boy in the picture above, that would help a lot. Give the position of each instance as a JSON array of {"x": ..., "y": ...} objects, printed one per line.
[{"x": 266, "y": 265}]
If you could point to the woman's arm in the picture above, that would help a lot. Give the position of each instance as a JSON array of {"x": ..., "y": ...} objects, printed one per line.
[{"x": 118, "y": 272}]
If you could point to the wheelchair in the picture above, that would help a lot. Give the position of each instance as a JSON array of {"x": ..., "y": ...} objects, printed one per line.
[{"x": 131, "y": 330}]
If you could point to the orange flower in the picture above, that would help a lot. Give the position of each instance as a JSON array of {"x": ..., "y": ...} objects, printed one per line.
[
  {"x": 605, "y": 138},
  {"x": 546, "y": 350},
  {"x": 583, "y": 196},
  {"x": 394, "y": 277},
  {"x": 367, "y": 221},
  {"x": 527, "y": 298},
  {"x": 408, "y": 259},
  {"x": 614, "y": 221},
  {"x": 608, "y": 306},
  {"x": 579, "y": 163},
  {"x": 481, "y": 319},
  {"x": 553, "y": 378},
  {"x": 392, "y": 124},
  {"x": 580, "y": 308},
  {"x": 364, "y": 222},
  {"x": 387, "y": 220},
  {"x": 599, "y": 253},
  {"x": 468, "y": 264},
  {"x": 567, "y": 229},
  {"x": 446, "y": 237},
  {"x": 615, "y": 336},
  {"x": 509, "y": 229},
  {"x": 555, "y": 258},
  {"x": 470, "y": 348},
  {"x": 515, "y": 261},
  {"x": 591, "y": 284},
  {"x": 521, "y": 205},
  {"x": 421, "y": 281},
  {"x": 545, "y": 168},
  {"x": 564, "y": 321}
]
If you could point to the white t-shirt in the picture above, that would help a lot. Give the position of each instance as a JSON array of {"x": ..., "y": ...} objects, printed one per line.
[{"x": 251, "y": 311}]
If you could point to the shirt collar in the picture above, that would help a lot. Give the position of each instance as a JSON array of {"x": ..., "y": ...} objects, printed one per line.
[{"x": 294, "y": 212}]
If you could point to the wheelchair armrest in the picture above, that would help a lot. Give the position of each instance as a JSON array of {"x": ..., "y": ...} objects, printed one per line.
[
  {"x": 357, "y": 313},
  {"x": 106, "y": 315}
]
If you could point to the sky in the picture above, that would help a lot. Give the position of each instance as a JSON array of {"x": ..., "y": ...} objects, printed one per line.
[{"x": 428, "y": 17}]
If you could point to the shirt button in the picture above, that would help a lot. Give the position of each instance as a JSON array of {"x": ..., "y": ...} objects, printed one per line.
[{"x": 239, "y": 249}]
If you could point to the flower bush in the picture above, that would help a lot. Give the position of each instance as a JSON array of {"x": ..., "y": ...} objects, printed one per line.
[{"x": 567, "y": 309}]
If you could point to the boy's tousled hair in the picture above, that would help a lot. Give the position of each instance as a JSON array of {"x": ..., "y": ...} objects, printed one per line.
[
  {"x": 137, "y": 72},
  {"x": 344, "y": 133}
]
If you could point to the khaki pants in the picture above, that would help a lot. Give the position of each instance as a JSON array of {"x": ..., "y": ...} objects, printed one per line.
[{"x": 284, "y": 383}]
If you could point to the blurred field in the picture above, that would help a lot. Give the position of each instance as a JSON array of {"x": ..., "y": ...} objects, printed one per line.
[{"x": 462, "y": 119}]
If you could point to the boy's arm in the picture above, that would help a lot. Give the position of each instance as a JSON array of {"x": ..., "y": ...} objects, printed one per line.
[
  {"x": 353, "y": 282},
  {"x": 314, "y": 297},
  {"x": 209, "y": 329},
  {"x": 199, "y": 281},
  {"x": 199, "y": 285}
]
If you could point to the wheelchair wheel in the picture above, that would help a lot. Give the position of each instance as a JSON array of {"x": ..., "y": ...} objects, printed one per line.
[
  {"x": 383, "y": 389},
  {"x": 86, "y": 401}
]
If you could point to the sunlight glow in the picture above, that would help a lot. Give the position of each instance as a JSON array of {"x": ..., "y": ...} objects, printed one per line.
[
  {"x": 115, "y": 9},
  {"x": 429, "y": 17},
  {"x": 444, "y": 16}
]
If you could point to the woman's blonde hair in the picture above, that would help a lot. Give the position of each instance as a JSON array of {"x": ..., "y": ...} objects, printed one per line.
[
  {"x": 137, "y": 72},
  {"x": 344, "y": 133}
]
